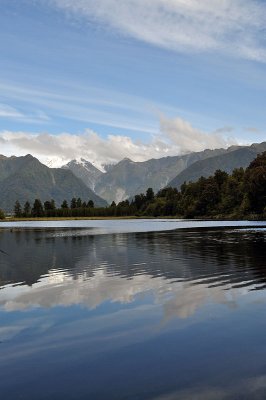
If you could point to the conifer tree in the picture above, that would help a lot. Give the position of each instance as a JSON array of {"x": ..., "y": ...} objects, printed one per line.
[
  {"x": 37, "y": 209},
  {"x": 150, "y": 194},
  {"x": 90, "y": 204},
  {"x": 73, "y": 203},
  {"x": 27, "y": 209},
  {"x": 64, "y": 204},
  {"x": 17, "y": 210}
]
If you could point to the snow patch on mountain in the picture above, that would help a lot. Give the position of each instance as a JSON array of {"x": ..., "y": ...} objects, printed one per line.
[{"x": 85, "y": 171}]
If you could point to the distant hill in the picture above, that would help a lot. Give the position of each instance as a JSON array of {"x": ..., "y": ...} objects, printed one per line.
[
  {"x": 25, "y": 178},
  {"x": 240, "y": 157}
]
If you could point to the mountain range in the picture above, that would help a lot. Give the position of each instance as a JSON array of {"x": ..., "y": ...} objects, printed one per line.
[
  {"x": 26, "y": 178},
  {"x": 127, "y": 178}
]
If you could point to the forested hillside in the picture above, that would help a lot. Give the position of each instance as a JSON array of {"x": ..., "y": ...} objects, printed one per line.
[{"x": 240, "y": 157}]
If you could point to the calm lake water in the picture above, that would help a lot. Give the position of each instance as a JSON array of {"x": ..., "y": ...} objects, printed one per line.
[{"x": 155, "y": 309}]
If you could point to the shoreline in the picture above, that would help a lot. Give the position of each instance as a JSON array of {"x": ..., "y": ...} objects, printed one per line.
[
  {"x": 134, "y": 217},
  {"x": 11, "y": 219}
]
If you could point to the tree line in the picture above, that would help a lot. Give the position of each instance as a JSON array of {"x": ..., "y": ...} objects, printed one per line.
[
  {"x": 77, "y": 207},
  {"x": 236, "y": 195}
]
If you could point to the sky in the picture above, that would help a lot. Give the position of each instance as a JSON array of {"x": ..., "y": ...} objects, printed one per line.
[{"x": 109, "y": 79}]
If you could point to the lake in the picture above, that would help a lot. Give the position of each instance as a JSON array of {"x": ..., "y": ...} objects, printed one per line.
[{"x": 133, "y": 309}]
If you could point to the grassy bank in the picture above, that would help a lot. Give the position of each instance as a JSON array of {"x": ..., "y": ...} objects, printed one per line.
[{"x": 231, "y": 217}]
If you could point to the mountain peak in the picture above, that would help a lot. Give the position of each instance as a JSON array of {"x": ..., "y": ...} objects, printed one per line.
[
  {"x": 126, "y": 160},
  {"x": 84, "y": 170}
]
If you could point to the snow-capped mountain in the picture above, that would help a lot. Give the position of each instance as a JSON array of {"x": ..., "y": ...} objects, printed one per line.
[{"x": 85, "y": 171}]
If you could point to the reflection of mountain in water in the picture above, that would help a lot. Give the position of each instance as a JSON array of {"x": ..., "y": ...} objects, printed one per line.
[{"x": 217, "y": 256}]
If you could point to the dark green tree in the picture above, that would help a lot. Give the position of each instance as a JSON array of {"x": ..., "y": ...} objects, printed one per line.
[
  {"x": 64, "y": 204},
  {"x": 47, "y": 205},
  {"x": 149, "y": 194},
  {"x": 90, "y": 204},
  {"x": 220, "y": 177},
  {"x": 27, "y": 209},
  {"x": 255, "y": 182},
  {"x": 37, "y": 209},
  {"x": 73, "y": 203},
  {"x": 17, "y": 209},
  {"x": 52, "y": 204},
  {"x": 139, "y": 201},
  {"x": 79, "y": 203}
]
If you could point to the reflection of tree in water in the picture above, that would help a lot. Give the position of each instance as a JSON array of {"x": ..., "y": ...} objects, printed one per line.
[
  {"x": 32, "y": 253},
  {"x": 216, "y": 256},
  {"x": 221, "y": 255}
]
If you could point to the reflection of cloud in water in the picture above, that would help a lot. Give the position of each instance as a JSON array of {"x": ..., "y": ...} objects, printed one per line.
[
  {"x": 178, "y": 299},
  {"x": 60, "y": 289},
  {"x": 189, "y": 298}
]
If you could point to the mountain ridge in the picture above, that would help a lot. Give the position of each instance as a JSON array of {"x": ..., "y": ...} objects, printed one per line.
[{"x": 241, "y": 157}]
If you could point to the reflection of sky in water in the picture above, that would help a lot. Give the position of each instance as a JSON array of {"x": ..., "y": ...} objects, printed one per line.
[
  {"x": 161, "y": 315},
  {"x": 123, "y": 226}
]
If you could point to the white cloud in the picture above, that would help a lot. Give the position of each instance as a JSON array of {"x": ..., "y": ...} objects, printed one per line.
[
  {"x": 186, "y": 138},
  {"x": 228, "y": 26},
  {"x": 176, "y": 136}
]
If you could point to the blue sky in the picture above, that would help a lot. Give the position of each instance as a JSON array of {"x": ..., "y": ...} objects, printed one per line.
[{"x": 109, "y": 79}]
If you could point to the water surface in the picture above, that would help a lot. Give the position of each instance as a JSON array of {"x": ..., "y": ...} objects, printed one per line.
[{"x": 133, "y": 310}]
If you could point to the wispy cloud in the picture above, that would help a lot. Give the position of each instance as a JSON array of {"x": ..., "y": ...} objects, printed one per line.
[
  {"x": 95, "y": 105},
  {"x": 175, "y": 136},
  {"x": 8, "y": 112},
  {"x": 90, "y": 104},
  {"x": 235, "y": 27}
]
